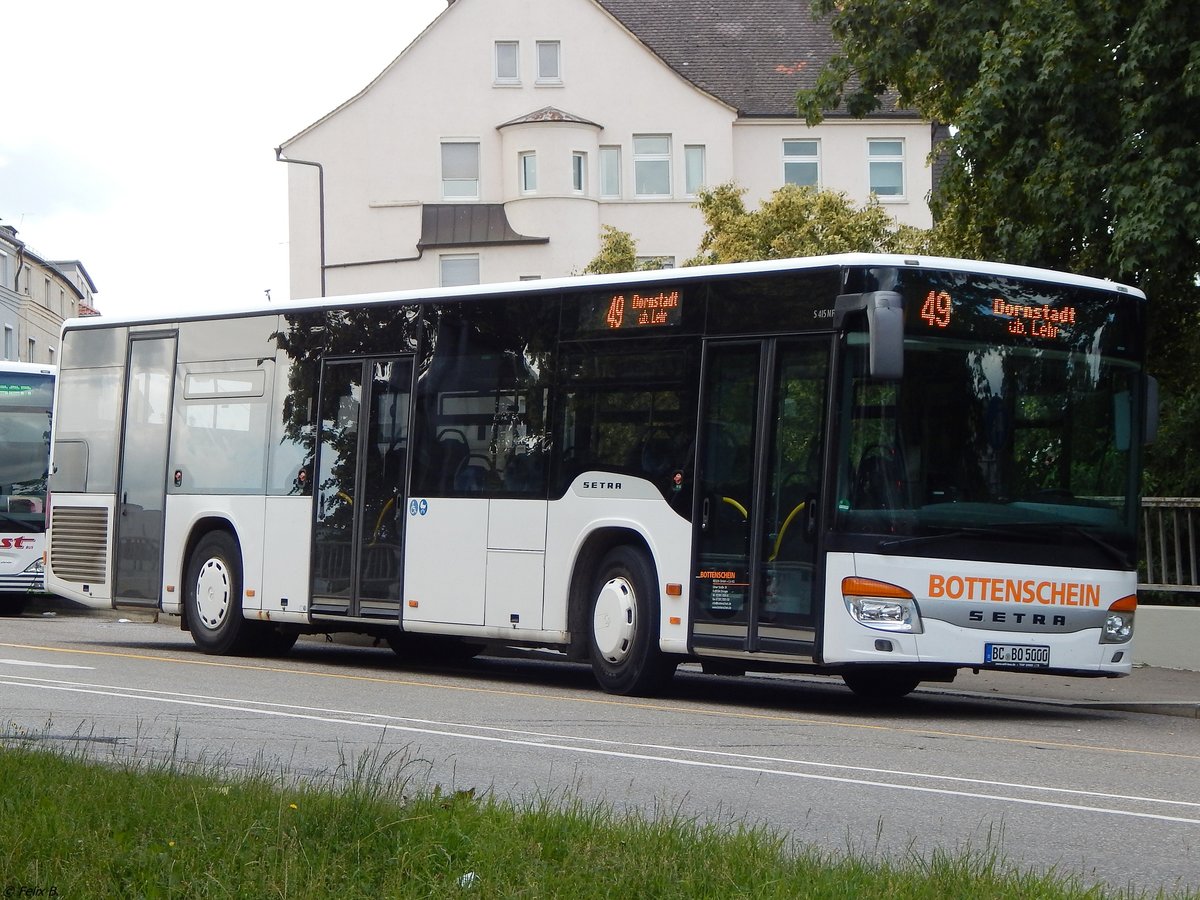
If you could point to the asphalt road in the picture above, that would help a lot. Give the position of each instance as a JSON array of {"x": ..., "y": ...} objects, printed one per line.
[{"x": 1111, "y": 795}]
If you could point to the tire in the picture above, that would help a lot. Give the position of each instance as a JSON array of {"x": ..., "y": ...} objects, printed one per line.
[
  {"x": 214, "y": 595},
  {"x": 623, "y": 626},
  {"x": 885, "y": 686}
]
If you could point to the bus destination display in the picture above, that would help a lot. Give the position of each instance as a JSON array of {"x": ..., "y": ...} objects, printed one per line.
[
  {"x": 634, "y": 311},
  {"x": 1034, "y": 320}
]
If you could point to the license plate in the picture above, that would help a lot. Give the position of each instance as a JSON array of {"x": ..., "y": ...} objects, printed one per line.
[{"x": 1027, "y": 655}]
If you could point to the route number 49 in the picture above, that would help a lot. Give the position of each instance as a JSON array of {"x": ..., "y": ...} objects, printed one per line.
[{"x": 936, "y": 309}]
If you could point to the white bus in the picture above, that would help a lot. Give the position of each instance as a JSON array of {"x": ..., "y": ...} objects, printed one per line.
[
  {"x": 26, "y": 392},
  {"x": 878, "y": 467}
]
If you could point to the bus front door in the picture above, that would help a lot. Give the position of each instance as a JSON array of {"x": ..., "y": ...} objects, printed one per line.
[
  {"x": 758, "y": 481},
  {"x": 362, "y": 466},
  {"x": 142, "y": 485}
]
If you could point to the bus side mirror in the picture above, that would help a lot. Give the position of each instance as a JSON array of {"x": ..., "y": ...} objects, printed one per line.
[{"x": 885, "y": 329}]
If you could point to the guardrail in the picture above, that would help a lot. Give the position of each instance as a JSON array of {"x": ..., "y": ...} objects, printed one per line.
[{"x": 1170, "y": 556}]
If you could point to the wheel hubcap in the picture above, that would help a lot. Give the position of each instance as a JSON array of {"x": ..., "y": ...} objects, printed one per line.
[
  {"x": 212, "y": 593},
  {"x": 614, "y": 621}
]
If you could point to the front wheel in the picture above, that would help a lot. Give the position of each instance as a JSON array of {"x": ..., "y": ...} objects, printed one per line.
[
  {"x": 623, "y": 632},
  {"x": 214, "y": 595}
]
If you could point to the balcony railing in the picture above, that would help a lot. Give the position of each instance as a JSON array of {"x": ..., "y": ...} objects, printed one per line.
[{"x": 1170, "y": 557}]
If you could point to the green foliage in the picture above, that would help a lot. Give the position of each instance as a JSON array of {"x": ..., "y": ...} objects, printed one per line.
[
  {"x": 1076, "y": 141},
  {"x": 71, "y": 828},
  {"x": 618, "y": 253},
  {"x": 797, "y": 221}
]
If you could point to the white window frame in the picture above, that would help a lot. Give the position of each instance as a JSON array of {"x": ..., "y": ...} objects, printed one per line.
[
  {"x": 31, "y": 343},
  {"x": 544, "y": 77},
  {"x": 694, "y": 169},
  {"x": 655, "y": 158},
  {"x": 527, "y": 171},
  {"x": 449, "y": 261},
  {"x": 886, "y": 159},
  {"x": 579, "y": 182},
  {"x": 10, "y": 341},
  {"x": 456, "y": 195},
  {"x": 610, "y": 171},
  {"x": 500, "y": 77},
  {"x": 813, "y": 159}
]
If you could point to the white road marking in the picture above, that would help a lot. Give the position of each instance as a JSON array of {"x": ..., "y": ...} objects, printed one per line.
[
  {"x": 42, "y": 665},
  {"x": 605, "y": 748}
]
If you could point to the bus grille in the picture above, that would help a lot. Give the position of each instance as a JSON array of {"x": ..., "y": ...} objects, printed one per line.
[{"x": 78, "y": 543}]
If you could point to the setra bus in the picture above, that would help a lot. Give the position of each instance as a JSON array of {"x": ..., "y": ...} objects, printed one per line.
[
  {"x": 26, "y": 392},
  {"x": 878, "y": 467}
]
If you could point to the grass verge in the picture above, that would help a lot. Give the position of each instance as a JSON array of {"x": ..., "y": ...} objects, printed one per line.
[{"x": 74, "y": 826}]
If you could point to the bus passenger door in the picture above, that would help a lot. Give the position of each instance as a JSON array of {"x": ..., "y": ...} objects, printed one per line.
[
  {"x": 362, "y": 466},
  {"x": 758, "y": 483},
  {"x": 142, "y": 484}
]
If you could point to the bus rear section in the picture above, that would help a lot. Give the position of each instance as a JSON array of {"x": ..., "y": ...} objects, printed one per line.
[{"x": 26, "y": 395}]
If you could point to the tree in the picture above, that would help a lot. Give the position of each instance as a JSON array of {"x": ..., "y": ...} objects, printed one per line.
[
  {"x": 797, "y": 221},
  {"x": 618, "y": 253},
  {"x": 1075, "y": 144}
]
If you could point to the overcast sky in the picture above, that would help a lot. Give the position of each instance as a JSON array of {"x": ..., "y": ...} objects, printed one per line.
[{"x": 139, "y": 136}]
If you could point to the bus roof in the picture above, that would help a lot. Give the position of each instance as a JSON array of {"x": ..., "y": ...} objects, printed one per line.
[{"x": 576, "y": 283}]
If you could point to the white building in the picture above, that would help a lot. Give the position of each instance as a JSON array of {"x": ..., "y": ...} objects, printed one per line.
[
  {"x": 502, "y": 139},
  {"x": 36, "y": 294}
]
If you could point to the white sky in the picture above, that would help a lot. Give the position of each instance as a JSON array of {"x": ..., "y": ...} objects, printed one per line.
[{"x": 139, "y": 136}]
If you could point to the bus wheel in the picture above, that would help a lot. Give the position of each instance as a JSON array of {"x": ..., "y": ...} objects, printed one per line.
[
  {"x": 214, "y": 595},
  {"x": 882, "y": 686},
  {"x": 623, "y": 637}
]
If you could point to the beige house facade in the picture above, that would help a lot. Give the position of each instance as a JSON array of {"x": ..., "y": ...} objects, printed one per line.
[
  {"x": 36, "y": 295},
  {"x": 498, "y": 144}
]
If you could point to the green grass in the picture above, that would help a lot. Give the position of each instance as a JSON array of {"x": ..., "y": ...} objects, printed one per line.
[{"x": 84, "y": 824}]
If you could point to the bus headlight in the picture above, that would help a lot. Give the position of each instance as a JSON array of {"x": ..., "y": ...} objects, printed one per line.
[
  {"x": 1118, "y": 624},
  {"x": 37, "y": 567},
  {"x": 879, "y": 605}
]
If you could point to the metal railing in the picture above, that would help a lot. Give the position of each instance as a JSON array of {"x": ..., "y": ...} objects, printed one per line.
[{"x": 1170, "y": 556}]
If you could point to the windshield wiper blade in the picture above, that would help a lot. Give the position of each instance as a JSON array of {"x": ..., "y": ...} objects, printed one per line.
[{"x": 1013, "y": 530}]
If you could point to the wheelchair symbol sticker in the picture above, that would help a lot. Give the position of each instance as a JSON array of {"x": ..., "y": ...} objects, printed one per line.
[{"x": 418, "y": 507}]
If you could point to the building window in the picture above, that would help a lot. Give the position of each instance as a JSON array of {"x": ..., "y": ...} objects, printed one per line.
[
  {"x": 459, "y": 269},
  {"x": 32, "y": 350},
  {"x": 693, "y": 168},
  {"x": 549, "y": 63},
  {"x": 801, "y": 163},
  {"x": 579, "y": 172},
  {"x": 9, "y": 341},
  {"x": 655, "y": 262},
  {"x": 460, "y": 170},
  {"x": 3, "y": 269},
  {"x": 885, "y": 160},
  {"x": 610, "y": 171},
  {"x": 508, "y": 63},
  {"x": 52, "y": 359},
  {"x": 528, "y": 172},
  {"x": 652, "y": 165}
]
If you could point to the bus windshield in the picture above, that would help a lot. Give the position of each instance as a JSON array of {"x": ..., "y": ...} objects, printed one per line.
[
  {"x": 1014, "y": 422},
  {"x": 25, "y": 400}
]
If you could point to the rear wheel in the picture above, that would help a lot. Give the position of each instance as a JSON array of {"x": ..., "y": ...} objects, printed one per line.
[
  {"x": 214, "y": 595},
  {"x": 881, "y": 686},
  {"x": 623, "y": 626}
]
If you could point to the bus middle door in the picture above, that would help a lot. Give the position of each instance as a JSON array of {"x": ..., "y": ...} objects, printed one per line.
[
  {"x": 360, "y": 488},
  {"x": 759, "y": 467}
]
